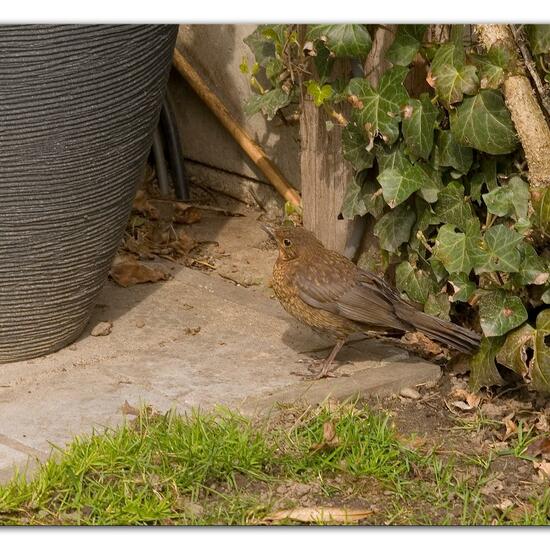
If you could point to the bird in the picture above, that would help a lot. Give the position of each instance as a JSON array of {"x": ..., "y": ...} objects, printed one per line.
[{"x": 329, "y": 293}]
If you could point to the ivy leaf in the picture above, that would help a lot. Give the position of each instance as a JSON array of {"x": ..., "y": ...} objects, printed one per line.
[
  {"x": 391, "y": 157},
  {"x": 509, "y": 200},
  {"x": 431, "y": 184},
  {"x": 262, "y": 47},
  {"x": 362, "y": 197},
  {"x": 484, "y": 122},
  {"x": 493, "y": 66},
  {"x": 415, "y": 283},
  {"x": 394, "y": 227},
  {"x": 268, "y": 103},
  {"x": 343, "y": 40},
  {"x": 476, "y": 183},
  {"x": 438, "y": 305},
  {"x": 533, "y": 269},
  {"x": 539, "y": 38},
  {"x": 380, "y": 111},
  {"x": 500, "y": 312},
  {"x": 484, "y": 371},
  {"x": 450, "y": 76},
  {"x": 500, "y": 250},
  {"x": 463, "y": 288},
  {"x": 540, "y": 364},
  {"x": 406, "y": 43},
  {"x": 319, "y": 93},
  {"x": 513, "y": 353},
  {"x": 541, "y": 207},
  {"x": 455, "y": 250},
  {"x": 419, "y": 122},
  {"x": 399, "y": 185},
  {"x": 354, "y": 147},
  {"x": 452, "y": 208},
  {"x": 452, "y": 153}
]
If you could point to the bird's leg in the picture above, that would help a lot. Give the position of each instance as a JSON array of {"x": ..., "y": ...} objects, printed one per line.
[{"x": 325, "y": 368}]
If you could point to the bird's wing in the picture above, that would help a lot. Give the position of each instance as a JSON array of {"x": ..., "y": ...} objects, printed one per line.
[{"x": 342, "y": 288}]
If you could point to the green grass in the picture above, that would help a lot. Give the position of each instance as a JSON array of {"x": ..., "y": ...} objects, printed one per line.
[{"x": 224, "y": 469}]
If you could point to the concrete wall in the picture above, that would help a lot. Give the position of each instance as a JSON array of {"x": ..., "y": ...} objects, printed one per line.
[{"x": 216, "y": 51}]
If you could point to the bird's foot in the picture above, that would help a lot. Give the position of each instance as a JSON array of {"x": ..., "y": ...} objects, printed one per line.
[{"x": 319, "y": 369}]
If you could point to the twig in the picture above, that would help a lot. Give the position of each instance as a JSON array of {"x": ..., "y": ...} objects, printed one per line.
[{"x": 542, "y": 89}]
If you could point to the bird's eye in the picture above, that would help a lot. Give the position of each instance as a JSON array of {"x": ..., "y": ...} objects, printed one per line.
[{"x": 287, "y": 242}]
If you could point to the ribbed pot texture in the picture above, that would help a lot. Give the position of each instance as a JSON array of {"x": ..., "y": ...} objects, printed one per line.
[{"x": 78, "y": 106}]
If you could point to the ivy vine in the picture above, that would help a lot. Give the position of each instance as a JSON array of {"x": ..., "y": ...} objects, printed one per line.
[{"x": 440, "y": 170}]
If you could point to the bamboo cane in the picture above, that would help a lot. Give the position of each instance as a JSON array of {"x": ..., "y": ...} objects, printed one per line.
[{"x": 239, "y": 134}]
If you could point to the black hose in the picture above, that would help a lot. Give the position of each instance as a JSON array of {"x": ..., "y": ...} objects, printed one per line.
[
  {"x": 160, "y": 163},
  {"x": 173, "y": 145}
]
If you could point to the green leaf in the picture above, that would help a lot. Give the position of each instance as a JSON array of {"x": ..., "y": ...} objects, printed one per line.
[
  {"x": 391, "y": 157},
  {"x": 343, "y": 40},
  {"x": 416, "y": 284},
  {"x": 533, "y": 269},
  {"x": 462, "y": 286},
  {"x": 354, "y": 144},
  {"x": 476, "y": 183},
  {"x": 484, "y": 122},
  {"x": 268, "y": 103},
  {"x": 398, "y": 185},
  {"x": 381, "y": 108},
  {"x": 493, "y": 65},
  {"x": 362, "y": 197},
  {"x": 319, "y": 93},
  {"x": 513, "y": 353},
  {"x": 509, "y": 200},
  {"x": 546, "y": 296},
  {"x": 406, "y": 43},
  {"x": 500, "y": 312},
  {"x": 541, "y": 207},
  {"x": 540, "y": 366},
  {"x": 500, "y": 250},
  {"x": 431, "y": 183},
  {"x": 262, "y": 47},
  {"x": 452, "y": 208},
  {"x": 450, "y": 76},
  {"x": 489, "y": 171},
  {"x": 452, "y": 153},
  {"x": 419, "y": 122},
  {"x": 539, "y": 38},
  {"x": 394, "y": 227},
  {"x": 438, "y": 305},
  {"x": 484, "y": 371},
  {"x": 455, "y": 250}
]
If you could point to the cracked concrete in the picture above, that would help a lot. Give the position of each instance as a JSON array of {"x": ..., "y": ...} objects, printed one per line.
[{"x": 243, "y": 355}]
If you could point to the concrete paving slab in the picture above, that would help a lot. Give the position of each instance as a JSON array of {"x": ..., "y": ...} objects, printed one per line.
[{"x": 196, "y": 340}]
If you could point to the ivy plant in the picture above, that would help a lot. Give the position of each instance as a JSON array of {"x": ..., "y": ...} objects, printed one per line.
[{"x": 440, "y": 170}]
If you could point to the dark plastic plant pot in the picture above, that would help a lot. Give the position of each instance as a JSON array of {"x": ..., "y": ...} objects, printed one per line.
[{"x": 78, "y": 106}]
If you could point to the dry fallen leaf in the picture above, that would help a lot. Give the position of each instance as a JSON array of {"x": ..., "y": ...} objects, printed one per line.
[
  {"x": 543, "y": 469},
  {"x": 539, "y": 447},
  {"x": 129, "y": 409},
  {"x": 511, "y": 427},
  {"x": 186, "y": 214},
  {"x": 320, "y": 514},
  {"x": 471, "y": 399},
  {"x": 330, "y": 439},
  {"x": 102, "y": 329},
  {"x": 129, "y": 272}
]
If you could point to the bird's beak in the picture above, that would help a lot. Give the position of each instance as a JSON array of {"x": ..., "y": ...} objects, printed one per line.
[{"x": 269, "y": 229}]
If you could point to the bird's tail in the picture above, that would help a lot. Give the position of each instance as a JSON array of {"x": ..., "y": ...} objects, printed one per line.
[{"x": 442, "y": 331}]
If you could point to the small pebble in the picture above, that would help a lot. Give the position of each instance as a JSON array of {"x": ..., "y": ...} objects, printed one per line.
[
  {"x": 102, "y": 329},
  {"x": 140, "y": 323},
  {"x": 409, "y": 393}
]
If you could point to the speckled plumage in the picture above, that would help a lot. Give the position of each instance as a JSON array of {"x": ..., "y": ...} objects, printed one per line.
[{"x": 326, "y": 291}]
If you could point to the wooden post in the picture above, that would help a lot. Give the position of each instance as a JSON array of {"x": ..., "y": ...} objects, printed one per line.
[{"x": 325, "y": 176}]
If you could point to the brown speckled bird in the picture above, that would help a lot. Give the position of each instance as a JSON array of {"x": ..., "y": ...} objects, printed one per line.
[{"x": 329, "y": 293}]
